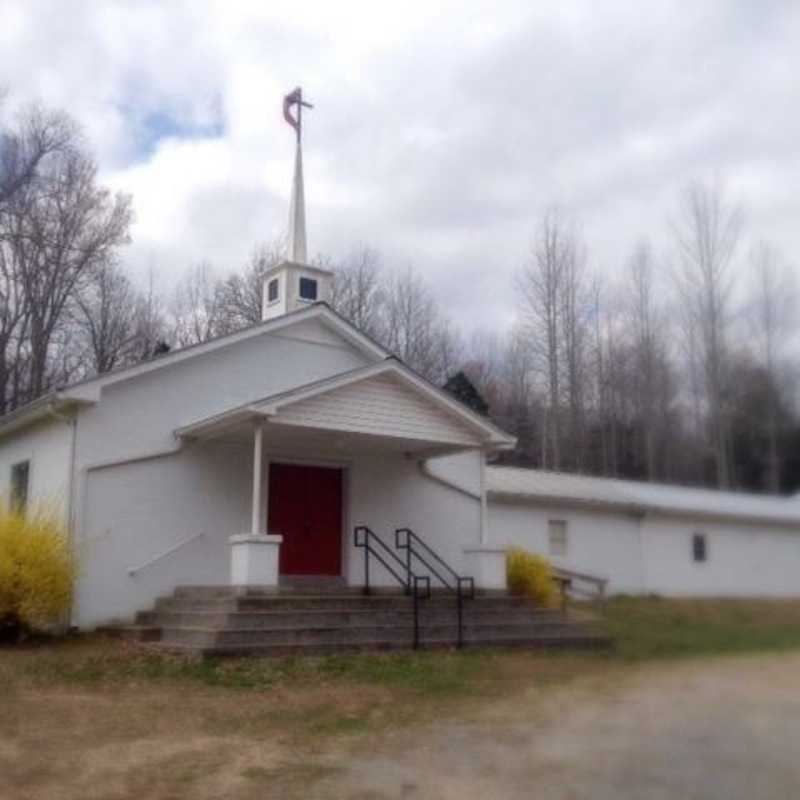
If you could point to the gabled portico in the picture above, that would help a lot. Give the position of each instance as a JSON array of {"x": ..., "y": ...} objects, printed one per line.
[{"x": 362, "y": 424}]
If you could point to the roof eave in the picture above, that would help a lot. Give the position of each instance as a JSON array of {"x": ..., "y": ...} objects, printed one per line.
[
  {"x": 639, "y": 510},
  {"x": 45, "y": 407}
]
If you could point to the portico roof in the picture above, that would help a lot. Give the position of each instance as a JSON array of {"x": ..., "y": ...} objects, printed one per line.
[{"x": 386, "y": 400}]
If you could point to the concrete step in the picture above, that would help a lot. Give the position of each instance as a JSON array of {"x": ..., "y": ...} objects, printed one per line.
[
  {"x": 205, "y": 637},
  {"x": 287, "y": 618},
  {"x": 342, "y": 602},
  {"x": 305, "y": 619}
]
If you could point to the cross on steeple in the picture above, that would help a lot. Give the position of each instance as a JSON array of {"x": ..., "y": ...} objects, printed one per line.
[{"x": 297, "y": 213}]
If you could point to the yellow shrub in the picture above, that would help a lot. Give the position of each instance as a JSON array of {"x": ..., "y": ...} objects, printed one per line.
[
  {"x": 36, "y": 568},
  {"x": 532, "y": 576}
]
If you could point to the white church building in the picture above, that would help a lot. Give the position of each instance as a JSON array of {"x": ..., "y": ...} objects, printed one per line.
[{"x": 249, "y": 460}]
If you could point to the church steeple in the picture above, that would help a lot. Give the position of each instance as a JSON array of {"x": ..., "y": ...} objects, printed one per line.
[
  {"x": 297, "y": 213},
  {"x": 294, "y": 284}
]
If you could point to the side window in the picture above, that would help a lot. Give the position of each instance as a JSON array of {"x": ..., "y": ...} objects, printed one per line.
[
  {"x": 699, "y": 548},
  {"x": 272, "y": 290},
  {"x": 557, "y": 537},
  {"x": 20, "y": 478},
  {"x": 308, "y": 289}
]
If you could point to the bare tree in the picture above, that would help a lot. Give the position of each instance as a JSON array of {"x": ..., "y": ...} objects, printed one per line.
[
  {"x": 574, "y": 315},
  {"x": 195, "y": 306},
  {"x": 12, "y": 323},
  {"x": 774, "y": 294},
  {"x": 358, "y": 294},
  {"x": 554, "y": 313},
  {"x": 414, "y": 329},
  {"x": 25, "y": 147},
  {"x": 707, "y": 234},
  {"x": 151, "y": 329},
  {"x": 106, "y": 313},
  {"x": 56, "y": 229},
  {"x": 644, "y": 329},
  {"x": 23, "y": 151},
  {"x": 239, "y": 296},
  {"x": 519, "y": 407}
]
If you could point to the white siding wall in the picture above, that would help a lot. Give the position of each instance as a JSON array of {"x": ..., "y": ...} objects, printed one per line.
[
  {"x": 140, "y": 415},
  {"x": 138, "y": 511},
  {"x": 741, "y": 559},
  {"x": 47, "y": 446},
  {"x": 388, "y": 493},
  {"x": 128, "y": 513},
  {"x": 654, "y": 554},
  {"x": 606, "y": 545}
]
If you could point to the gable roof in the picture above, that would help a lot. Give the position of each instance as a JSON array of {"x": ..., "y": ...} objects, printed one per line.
[
  {"x": 516, "y": 484},
  {"x": 320, "y": 311},
  {"x": 87, "y": 391},
  {"x": 485, "y": 431}
]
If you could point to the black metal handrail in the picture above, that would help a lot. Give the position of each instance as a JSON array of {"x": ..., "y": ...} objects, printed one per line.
[
  {"x": 416, "y": 548},
  {"x": 377, "y": 548}
]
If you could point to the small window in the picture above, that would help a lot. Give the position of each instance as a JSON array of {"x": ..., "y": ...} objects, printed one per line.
[
  {"x": 20, "y": 477},
  {"x": 272, "y": 290},
  {"x": 308, "y": 289},
  {"x": 557, "y": 537},
  {"x": 699, "y": 548}
]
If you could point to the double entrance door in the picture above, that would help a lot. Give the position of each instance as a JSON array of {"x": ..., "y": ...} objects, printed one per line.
[{"x": 305, "y": 507}]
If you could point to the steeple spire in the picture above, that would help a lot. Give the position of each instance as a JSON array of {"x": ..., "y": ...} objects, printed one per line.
[{"x": 297, "y": 213}]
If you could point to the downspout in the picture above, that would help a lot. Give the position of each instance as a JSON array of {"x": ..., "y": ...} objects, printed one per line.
[
  {"x": 484, "y": 504},
  {"x": 72, "y": 421}
]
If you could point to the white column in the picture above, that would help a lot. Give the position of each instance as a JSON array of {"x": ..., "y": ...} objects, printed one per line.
[
  {"x": 255, "y": 556},
  {"x": 258, "y": 442}
]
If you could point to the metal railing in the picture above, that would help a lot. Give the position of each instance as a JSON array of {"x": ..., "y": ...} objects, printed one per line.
[
  {"x": 374, "y": 547},
  {"x": 415, "y": 548},
  {"x": 174, "y": 549}
]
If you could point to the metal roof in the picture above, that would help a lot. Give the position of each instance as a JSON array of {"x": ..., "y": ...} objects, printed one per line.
[{"x": 540, "y": 486}]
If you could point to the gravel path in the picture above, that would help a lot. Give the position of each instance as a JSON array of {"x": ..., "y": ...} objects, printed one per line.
[{"x": 718, "y": 728}]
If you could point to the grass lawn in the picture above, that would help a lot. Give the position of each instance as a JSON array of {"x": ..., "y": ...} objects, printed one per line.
[{"x": 90, "y": 717}]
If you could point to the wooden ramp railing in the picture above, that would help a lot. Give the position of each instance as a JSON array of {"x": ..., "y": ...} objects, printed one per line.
[{"x": 581, "y": 586}]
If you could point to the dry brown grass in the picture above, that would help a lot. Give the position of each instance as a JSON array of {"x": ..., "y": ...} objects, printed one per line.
[{"x": 92, "y": 718}]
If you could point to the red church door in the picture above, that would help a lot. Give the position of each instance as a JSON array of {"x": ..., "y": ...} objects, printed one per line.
[{"x": 305, "y": 507}]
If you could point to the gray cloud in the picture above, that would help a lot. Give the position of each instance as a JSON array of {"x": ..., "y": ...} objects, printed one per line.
[{"x": 439, "y": 135}]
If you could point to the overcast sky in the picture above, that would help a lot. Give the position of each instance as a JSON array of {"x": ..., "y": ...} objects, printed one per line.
[{"x": 441, "y": 130}]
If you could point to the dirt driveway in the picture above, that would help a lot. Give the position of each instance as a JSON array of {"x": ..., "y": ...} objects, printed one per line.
[{"x": 719, "y": 728}]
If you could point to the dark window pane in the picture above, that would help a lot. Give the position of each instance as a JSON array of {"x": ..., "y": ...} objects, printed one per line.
[
  {"x": 20, "y": 475},
  {"x": 272, "y": 290},
  {"x": 699, "y": 547},
  {"x": 308, "y": 289}
]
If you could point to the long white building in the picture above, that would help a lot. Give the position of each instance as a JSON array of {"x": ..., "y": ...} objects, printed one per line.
[{"x": 650, "y": 538}]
